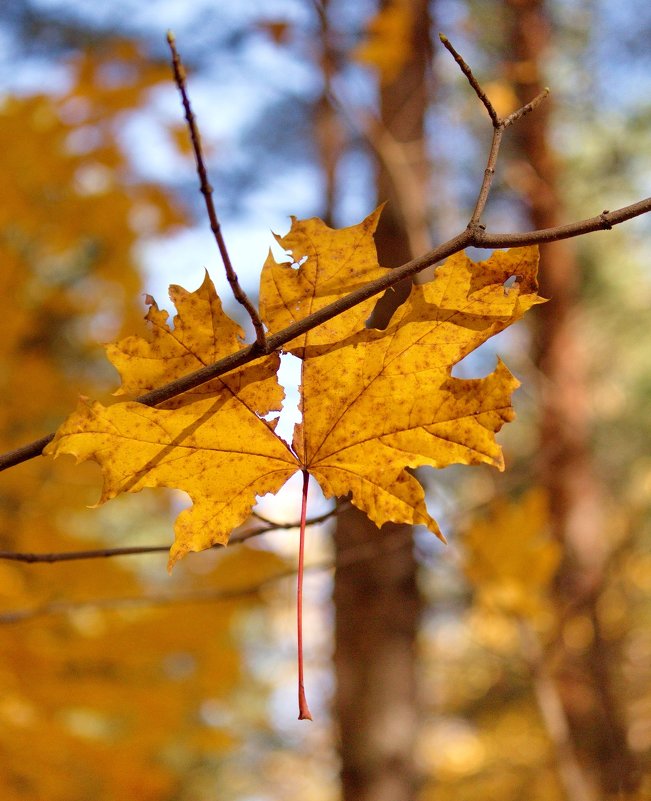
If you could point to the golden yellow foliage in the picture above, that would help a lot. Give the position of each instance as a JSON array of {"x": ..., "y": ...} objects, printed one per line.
[
  {"x": 374, "y": 403},
  {"x": 79, "y": 689},
  {"x": 511, "y": 557},
  {"x": 387, "y": 44}
]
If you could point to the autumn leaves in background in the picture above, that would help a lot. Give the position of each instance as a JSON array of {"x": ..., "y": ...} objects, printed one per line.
[{"x": 90, "y": 657}]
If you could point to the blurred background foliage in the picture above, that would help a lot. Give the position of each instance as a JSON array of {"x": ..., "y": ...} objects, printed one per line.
[{"x": 531, "y": 660}]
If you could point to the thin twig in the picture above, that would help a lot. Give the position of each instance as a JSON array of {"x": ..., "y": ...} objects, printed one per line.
[
  {"x": 499, "y": 125},
  {"x": 602, "y": 222},
  {"x": 312, "y": 521},
  {"x": 206, "y": 190},
  {"x": 104, "y": 553},
  {"x": 25, "y": 452},
  {"x": 489, "y": 174},
  {"x": 72, "y": 556},
  {"x": 471, "y": 80},
  {"x": 355, "y": 553},
  {"x": 526, "y": 109}
]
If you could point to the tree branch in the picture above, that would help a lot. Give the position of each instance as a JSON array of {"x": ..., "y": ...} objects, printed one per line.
[
  {"x": 206, "y": 190},
  {"x": 355, "y": 553},
  {"x": 602, "y": 222},
  {"x": 312, "y": 521},
  {"x": 471, "y": 80},
  {"x": 104, "y": 553},
  {"x": 499, "y": 126},
  {"x": 489, "y": 172},
  {"x": 498, "y": 122},
  {"x": 554, "y": 717}
]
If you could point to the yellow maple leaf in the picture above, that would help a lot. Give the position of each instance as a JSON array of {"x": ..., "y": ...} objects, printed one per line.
[{"x": 374, "y": 403}]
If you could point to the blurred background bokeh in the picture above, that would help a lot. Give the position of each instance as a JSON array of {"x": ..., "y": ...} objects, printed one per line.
[{"x": 513, "y": 663}]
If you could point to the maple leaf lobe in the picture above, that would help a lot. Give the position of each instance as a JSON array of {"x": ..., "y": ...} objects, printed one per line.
[
  {"x": 201, "y": 334},
  {"x": 331, "y": 264}
]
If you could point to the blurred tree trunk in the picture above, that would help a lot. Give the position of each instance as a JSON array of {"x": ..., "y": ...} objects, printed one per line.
[
  {"x": 377, "y": 601},
  {"x": 565, "y": 467}
]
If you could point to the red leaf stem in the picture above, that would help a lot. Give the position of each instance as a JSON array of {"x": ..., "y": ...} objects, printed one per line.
[{"x": 303, "y": 709}]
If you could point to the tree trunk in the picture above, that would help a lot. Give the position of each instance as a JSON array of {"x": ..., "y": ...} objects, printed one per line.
[
  {"x": 565, "y": 465},
  {"x": 377, "y": 602},
  {"x": 377, "y": 611}
]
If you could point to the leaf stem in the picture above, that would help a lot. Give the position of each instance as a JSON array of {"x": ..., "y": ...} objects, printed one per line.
[{"x": 303, "y": 709}]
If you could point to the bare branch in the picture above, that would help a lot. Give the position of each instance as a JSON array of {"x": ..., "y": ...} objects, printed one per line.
[
  {"x": 602, "y": 222},
  {"x": 501, "y": 122},
  {"x": 355, "y": 553},
  {"x": 311, "y": 521},
  {"x": 499, "y": 125},
  {"x": 471, "y": 80},
  {"x": 206, "y": 190},
  {"x": 104, "y": 553},
  {"x": 72, "y": 556},
  {"x": 489, "y": 174},
  {"x": 25, "y": 452},
  {"x": 528, "y": 107}
]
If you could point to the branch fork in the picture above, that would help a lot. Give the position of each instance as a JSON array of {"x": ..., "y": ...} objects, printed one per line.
[{"x": 500, "y": 124}]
